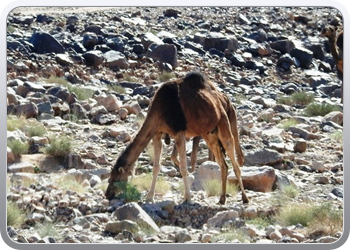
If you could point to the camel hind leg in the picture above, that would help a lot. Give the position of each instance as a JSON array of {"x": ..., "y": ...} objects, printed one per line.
[
  {"x": 228, "y": 142},
  {"x": 214, "y": 145}
]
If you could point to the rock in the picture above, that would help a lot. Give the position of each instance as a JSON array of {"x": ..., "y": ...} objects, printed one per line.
[
  {"x": 164, "y": 53},
  {"x": 334, "y": 116},
  {"x": 285, "y": 62},
  {"x": 21, "y": 167},
  {"x": 275, "y": 235},
  {"x": 303, "y": 133},
  {"x": 338, "y": 192},
  {"x": 260, "y": 179},
  {"x": 90, "y": 39},
  {"x": 284, "y": 46},
  {"x": 73, "y": 160},
  {"x": 10, "y": 156},
  {"x": 300, "y": 146},
  {"x": 220, "y": 42},
  {"x": 29, "y": 110},
  {"x": 45, "y": 43},
  {"x": 148, "y": 38},
  {"x": 263, "y": 157},
  {"x": 171, "y": 13},
  {"x": 220, "y": 218},
  {"x": 132, "y": 211},
  {"x": 303, "y": 55},
  {"x": 118, "y": 226},
  {"x": 94, "y": 58},
  {"x": 327, "y": 239},
  {"x": 182, "y": 236},
  {"x": 208, "y": 170},
  {"x": 116, "y": 60},
  {"x": 110, "y": 102}
]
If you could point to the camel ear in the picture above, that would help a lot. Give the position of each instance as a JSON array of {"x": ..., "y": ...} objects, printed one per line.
[{"x": 121, "y": 170}]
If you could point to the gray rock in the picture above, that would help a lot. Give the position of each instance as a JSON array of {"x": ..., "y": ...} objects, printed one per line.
[
  {"x": 119, "y": 226},
  {"x": 182, "y": 236},
  {"x": 263, "y": 157},
  {"x": 45, "y": 43},
  {"x": 164, "y": 53},
  {"x": 303, "y": 55},
  {"x": 220, "y": 218},
  {"x": 132, "y": 211},
  {"x": 29, "y": 110},
  {"x": 21, "y": 167},
  {"x": 94, "y": 58},
  {"x": 116, "y": 60}
]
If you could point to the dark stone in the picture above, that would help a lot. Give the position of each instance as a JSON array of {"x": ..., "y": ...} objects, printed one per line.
[
  {"x": 165, "y": 53},
  {"x": 303, "y": 55},
  {"x": 284, "y": 46},
  {"x": 45, "y": 43}
]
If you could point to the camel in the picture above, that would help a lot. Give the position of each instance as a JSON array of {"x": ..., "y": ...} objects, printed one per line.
[
  {"x": 335, "y": 41},
  {"x": 232, "y": 115},
  {"x": 183, "y": 108}
]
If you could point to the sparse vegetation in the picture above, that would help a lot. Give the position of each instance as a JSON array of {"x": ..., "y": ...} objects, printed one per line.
[
  {"x": 81, "y": 92},
  {"x": 47, "y": 229},
  {"x": 127, "y": 191},
  {"x": 231, "y": 235},
  {"x": 312, "y": 215},
  {"x": 286, "y": 124},
  {"x": 166, "y": 76},
  {"x": 143, "y": 183},
  {"x": 297, "y": 98},
  {"x": 319, "y": 109},
  {"x": 290, "y": 191},
  {"x": 59, "y": 146},
  {"x": 260, "y": 222},
  {"x": 116, "y": 88},
  {"x": 129, "y": 78},
  {"x": 337, "y": 136},
  {"x": 18, "y": 148},
  {"x": 213, "y": 187},
  {"x": 31, "y": 127},
  {"x": 71, "y": 183},
  {"x": 15, "y": 215}
]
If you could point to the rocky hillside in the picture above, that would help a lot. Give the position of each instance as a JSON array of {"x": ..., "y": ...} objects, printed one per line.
[{"x": 87, "y": 76}]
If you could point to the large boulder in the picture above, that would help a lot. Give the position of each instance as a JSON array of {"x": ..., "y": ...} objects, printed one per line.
[{"x": 45, "y": 43}]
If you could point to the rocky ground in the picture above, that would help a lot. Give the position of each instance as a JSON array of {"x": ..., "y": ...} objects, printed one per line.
[{"x": 121, "y": 56}]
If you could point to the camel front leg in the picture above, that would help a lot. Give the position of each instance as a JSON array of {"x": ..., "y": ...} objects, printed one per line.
[
  {"x": 181, "y": 148},
  {"x": 157, "y": 145}
]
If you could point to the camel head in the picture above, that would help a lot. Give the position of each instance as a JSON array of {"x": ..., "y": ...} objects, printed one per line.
[
  {"x": 329, "y": 32},
  {"x": 120, "y": 173}
]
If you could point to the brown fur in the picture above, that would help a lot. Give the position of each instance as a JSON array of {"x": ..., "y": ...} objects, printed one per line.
[
  {"x": 335, "y": 41},
  {"x": 196, "y": 109},
  {"x": 232, "y": 115}
]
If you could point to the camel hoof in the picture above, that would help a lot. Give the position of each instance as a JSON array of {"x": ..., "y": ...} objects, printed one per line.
[
  {"x": 222, "y": 200},
  {"x": 149, "y": 200},
  {"x": 245, "y": 200}
]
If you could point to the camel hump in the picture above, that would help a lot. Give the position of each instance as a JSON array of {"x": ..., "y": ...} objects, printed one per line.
[{"x": 194, "y": 80}]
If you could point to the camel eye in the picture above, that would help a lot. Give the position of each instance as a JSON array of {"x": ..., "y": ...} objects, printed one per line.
[{"x": 121, "y": 170}]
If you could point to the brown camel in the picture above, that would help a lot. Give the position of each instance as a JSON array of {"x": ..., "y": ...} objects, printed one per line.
[
  {"x": 183, "y": 108},
  {"x": 232, "y": 115},
  {"x": 335, "y": 41}
]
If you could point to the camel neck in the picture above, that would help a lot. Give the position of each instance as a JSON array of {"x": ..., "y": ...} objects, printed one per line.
[{"x": 134, "y": 149}]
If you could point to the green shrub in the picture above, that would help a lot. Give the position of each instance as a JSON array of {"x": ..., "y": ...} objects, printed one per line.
[
  {"x": 15, "y": 215},
  {"x": 319, "y": 109},
  {"x": 59, "y": 146},
  {"x": 295, "y": 213},
  {"x": 127, "y": 191},
  {"x": 297, "y": 98}
]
